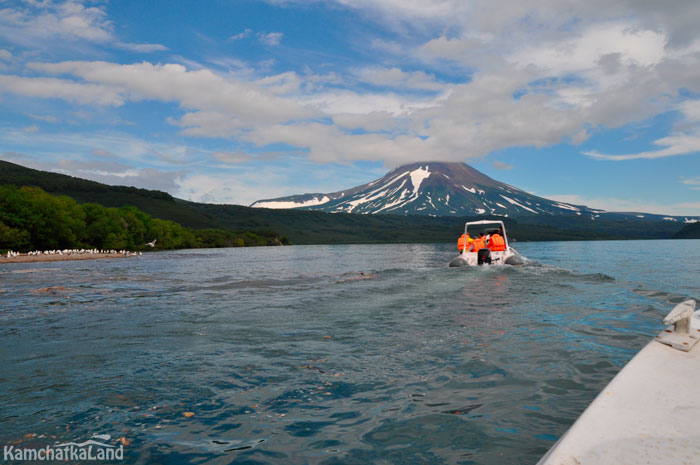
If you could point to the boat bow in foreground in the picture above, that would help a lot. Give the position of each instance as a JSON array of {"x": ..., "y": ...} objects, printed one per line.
[{"x": 649, "y": 412}]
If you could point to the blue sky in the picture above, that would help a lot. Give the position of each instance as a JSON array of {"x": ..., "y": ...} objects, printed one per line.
[{"x": 235, "y": 101}]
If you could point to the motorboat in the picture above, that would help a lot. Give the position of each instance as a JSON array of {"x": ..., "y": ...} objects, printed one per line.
[
  {"x": 648, "y": 413},
  {"x": 490, "y": 245}
]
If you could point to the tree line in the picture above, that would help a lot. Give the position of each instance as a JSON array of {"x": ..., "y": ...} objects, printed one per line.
[{"x": 31, "y": 219}]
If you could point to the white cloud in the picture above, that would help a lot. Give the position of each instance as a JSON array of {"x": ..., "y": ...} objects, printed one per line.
[
  {"x": 464, "y": 121},
  {"x": 242, "y": 35},
  {"x": 460, "y": 49},
  {"x": 68, "y": 20},
  {"x": 518, "y": 21},
  {"x": 107, "y": 172},
  {"x": 45, "y": 118},
  {"x": 281, "y": 84},
  {"x": 232, "y": 157},
  {"x": 48, "y": 24},
  {"x": 373, "y": 122},
  {"x": 244, "y": 183},
  {"x": 631, "y": 46},
  {"x": 31, "y": 129},
  {"x": 387, "y": 46},
  {"x": 233, "y": 102},
  {"x": 336, "y": 102},
  {"x": 327, "y": 143},
  {"x": 271, "y": 39},
  {"x": 235, "y": 183},
  {"x": 569, "y": 66},
  {"x": 411, "y": 9},
  {"x": 141, "y": 48},
  {"x": 238, "y": 188},
  {"x": 5, "y": 55},
  {"x": 129, "y": 148},
  {"x": 397, "y": 78},
  {"x": 679, "y": 144},
  {"x": 694, "y": 183},
  {"x": 118, "y": 174},
  {"x": 62, "y": 89},
  {"x": 691, "y": 110}
]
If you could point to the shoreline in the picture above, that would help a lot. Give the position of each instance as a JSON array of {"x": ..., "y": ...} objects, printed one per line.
[{"x": 60, "y": 258}]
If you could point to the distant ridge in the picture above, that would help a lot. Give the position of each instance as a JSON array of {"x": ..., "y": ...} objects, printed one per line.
[{"x": 303, "y": 226}]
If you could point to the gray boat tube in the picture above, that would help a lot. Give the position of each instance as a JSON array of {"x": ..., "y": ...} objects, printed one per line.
[
  {"x": 458, "y": 261},
  {"x": 516, "y": 259}
]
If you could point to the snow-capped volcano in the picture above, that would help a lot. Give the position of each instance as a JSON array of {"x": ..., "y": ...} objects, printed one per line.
[{"x": 431, "y": 188}]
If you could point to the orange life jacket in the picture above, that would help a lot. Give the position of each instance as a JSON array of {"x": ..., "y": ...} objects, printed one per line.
[
  {"x": 478, "y": 244},
  {"x": 460, "y": 242},
  {"x": 496, "y": 243}
]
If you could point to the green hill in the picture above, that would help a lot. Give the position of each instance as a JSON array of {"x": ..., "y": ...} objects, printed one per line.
[
  {"x": 156, "y": 203},
  {"x": 32, "y": 219}
]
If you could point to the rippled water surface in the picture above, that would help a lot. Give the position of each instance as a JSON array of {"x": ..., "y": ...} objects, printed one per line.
[{"x": 327, "y": 354}]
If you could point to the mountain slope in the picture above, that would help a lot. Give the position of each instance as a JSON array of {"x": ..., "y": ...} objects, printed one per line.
[
  {"x": 456, "y": 189},
  {"x": 431, "y": 188}
]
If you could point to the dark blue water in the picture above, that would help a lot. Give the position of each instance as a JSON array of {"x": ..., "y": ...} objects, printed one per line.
[{"x": 327, "y": 354}]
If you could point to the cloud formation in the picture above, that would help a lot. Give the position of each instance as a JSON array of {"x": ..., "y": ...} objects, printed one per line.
[
  {"x": 398, "y": 78},
  {"x": 55, "y": 88},
  {"x": 694, "y": 183},
  {"x": 271, "y": 39},
  {"x": 468, "y": 83},
  {"x": 241, "y": 35},
  {"x": 223, "y": 103},
  {"x": 49, "y": 24},
  {"x": 681, "y": 143}
]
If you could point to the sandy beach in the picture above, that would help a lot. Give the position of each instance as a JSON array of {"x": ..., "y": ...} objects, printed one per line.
[{"x": 59, "y": 258}]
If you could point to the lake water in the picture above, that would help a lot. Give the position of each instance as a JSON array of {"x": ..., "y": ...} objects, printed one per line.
[{"x": 353, "y": 354}]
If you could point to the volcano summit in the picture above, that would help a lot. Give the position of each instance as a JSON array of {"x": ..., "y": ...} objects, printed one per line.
[{"x": 431, "y": 188}]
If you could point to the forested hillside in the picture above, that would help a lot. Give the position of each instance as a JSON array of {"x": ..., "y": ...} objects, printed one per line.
[
  {"x": 33, "y": 219},
  {"x": 690, "y": 231}
]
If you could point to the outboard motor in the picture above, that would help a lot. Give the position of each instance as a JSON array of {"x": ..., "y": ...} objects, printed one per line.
[{"x": 484, "y": 256}]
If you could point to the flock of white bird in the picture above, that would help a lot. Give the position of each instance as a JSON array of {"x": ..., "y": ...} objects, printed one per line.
[{"x": 11, "y": 253}]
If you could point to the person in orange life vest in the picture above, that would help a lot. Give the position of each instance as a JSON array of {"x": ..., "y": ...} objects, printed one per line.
[
  {"x": 497, "y": 243},
  {"x": 478, "y": 243},
  {"x": 460, "y": 242}
]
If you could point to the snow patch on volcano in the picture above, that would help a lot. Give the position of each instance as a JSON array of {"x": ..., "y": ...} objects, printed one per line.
[{"x": 417, "y": 178}]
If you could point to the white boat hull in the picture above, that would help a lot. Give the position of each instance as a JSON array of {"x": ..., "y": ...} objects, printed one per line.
[{"x": 647, "y": 414}]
